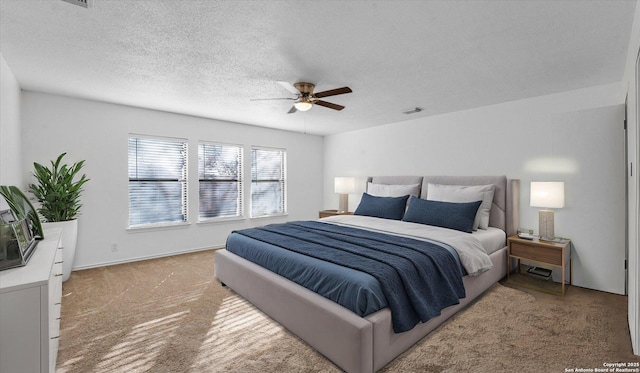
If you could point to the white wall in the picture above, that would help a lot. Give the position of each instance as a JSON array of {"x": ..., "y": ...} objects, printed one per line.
[
  {"x": 575, "y": 137},
  {"x": 10, "y": 139},
  {"x": 98, "y": 132}
]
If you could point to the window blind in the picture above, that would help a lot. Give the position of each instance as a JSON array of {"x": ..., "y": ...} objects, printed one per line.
[
  {"x": 157, "y": 181},
  {"x": 220, "y": 181},
  {"x": 268, "y": 182}
]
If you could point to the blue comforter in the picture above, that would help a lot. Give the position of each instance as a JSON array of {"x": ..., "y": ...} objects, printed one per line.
[{"x": 418, "y": 278}]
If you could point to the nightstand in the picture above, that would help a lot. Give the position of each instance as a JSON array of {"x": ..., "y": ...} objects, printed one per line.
[
  {"x": 325, "y": 213},
  {"x": 544, "y": 253}
]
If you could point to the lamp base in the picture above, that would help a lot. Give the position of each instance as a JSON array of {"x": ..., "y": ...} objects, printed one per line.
[
  {"x": 343, "y": 203},
  {"x": 546, "y": 224}
]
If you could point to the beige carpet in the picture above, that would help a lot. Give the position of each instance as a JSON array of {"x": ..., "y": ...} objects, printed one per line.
[{"x": 170, "y": 315}]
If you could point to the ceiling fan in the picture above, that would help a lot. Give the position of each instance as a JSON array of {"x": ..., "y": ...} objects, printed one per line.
[{"x": 305, "y": 98}]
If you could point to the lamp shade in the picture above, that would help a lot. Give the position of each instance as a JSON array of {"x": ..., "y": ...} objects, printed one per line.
[
  {"x": 547, "y": 194},
  {"x": 344, "y": 185}
]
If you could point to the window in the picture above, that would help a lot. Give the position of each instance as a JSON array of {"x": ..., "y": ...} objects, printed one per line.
[
  {"x": 220, "y": 181},
  {"x": 157, "y": 181},
  {"x": 268, "y": 182}
]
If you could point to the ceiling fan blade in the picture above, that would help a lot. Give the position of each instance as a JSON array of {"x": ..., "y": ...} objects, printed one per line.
[
  {"x": 292, "y": 110},
  {"x": 329, "y": 105},
  {"x": 289, "y": 87},
  {"x": 333, "y": 92},
  {"x": 270, "y": 99}
]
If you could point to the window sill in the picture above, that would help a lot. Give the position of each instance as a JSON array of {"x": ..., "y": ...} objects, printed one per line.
[
  {"x": 221, "y": 220},
  {"x": 158, "y": 227},
  {"x": 269, "y": 216}
]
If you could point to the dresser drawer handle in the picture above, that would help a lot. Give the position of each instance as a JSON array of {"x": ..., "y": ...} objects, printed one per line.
[
  {"x": 60, "y": 262},
  {"x": 58, "y": 274},
  {"x": 56, "y": 337},
  {"x": 57, "y": 304}
]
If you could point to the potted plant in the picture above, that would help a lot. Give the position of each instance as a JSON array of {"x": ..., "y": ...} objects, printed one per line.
[{"x": 58, "y": 191}]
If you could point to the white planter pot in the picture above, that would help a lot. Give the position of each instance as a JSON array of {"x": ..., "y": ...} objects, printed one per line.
[{"x": 69, "y": 240}]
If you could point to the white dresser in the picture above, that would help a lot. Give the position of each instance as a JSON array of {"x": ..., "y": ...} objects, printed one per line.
[{"x": 30, "y": 299}]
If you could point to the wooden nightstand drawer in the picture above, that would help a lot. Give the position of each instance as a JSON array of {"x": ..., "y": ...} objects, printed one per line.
[{"x": 542, "y": 254}]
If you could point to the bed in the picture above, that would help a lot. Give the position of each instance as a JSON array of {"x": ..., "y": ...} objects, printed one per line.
[{"x": 352, "y": 342}]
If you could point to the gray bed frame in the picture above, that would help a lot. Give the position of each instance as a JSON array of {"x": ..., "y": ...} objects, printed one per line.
[{"x": 354, "y": 343}]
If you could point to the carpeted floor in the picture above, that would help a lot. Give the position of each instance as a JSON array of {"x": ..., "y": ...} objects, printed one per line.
[{"x": 171, "y": 315}]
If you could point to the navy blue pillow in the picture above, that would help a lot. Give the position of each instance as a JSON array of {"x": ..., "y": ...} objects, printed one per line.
[
  {"x": 382, "y": 207},
  {"x": 458, "y": 216}
]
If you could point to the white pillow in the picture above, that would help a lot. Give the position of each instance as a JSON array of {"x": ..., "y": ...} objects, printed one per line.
[
  {"x": 464, "y": 193},
  {"x": 390, "y": 190}
]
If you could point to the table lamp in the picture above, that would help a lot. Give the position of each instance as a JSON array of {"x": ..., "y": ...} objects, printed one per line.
[
  {"x": 548, "y": 195},
  {"x": 343, "y": 186}
]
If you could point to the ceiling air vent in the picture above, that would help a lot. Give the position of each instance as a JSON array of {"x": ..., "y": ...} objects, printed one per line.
[
  {"x": 82, "y": 3},
  {"x": 413, "y": 111}
]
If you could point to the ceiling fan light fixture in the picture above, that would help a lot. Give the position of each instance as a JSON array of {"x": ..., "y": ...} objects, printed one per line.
[
  {"x": 303, "y": 104},
  {"x": 305, "y": 98}
]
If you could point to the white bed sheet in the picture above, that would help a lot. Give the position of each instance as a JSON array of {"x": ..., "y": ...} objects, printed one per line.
[
  {"x": 492, "y": 239},
  {"x": 473, "y": 255}
]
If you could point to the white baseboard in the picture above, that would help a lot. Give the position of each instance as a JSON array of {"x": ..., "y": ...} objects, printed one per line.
[{"x": 104, "y": 264}]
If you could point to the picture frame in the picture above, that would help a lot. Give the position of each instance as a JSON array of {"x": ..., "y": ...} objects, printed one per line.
[{"x": 7, "y": 216}]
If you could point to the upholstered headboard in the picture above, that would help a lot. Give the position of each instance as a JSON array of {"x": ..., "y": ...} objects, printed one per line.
[{"x": 505, "y": 210}]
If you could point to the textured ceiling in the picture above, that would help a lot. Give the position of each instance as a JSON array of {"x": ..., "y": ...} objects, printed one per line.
[{"x": 209, "y": 58}]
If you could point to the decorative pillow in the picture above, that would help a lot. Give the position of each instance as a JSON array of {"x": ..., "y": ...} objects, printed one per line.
[
  {"x": 382, "y": 207},
  {"x": 458, "y": 216},
  {"x": 390, "y": 190},
  {"x": 464, "y": 193}
]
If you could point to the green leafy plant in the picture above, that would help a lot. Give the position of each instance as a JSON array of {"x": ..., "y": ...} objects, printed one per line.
[
  {"x": 21, "y": 207},
  {"x": 56, "y": 190}
]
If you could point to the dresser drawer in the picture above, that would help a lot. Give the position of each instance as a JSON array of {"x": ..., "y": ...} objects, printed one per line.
[
  {"x": 541, "y": 254},
  {"x": 57, "y": 263}
]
